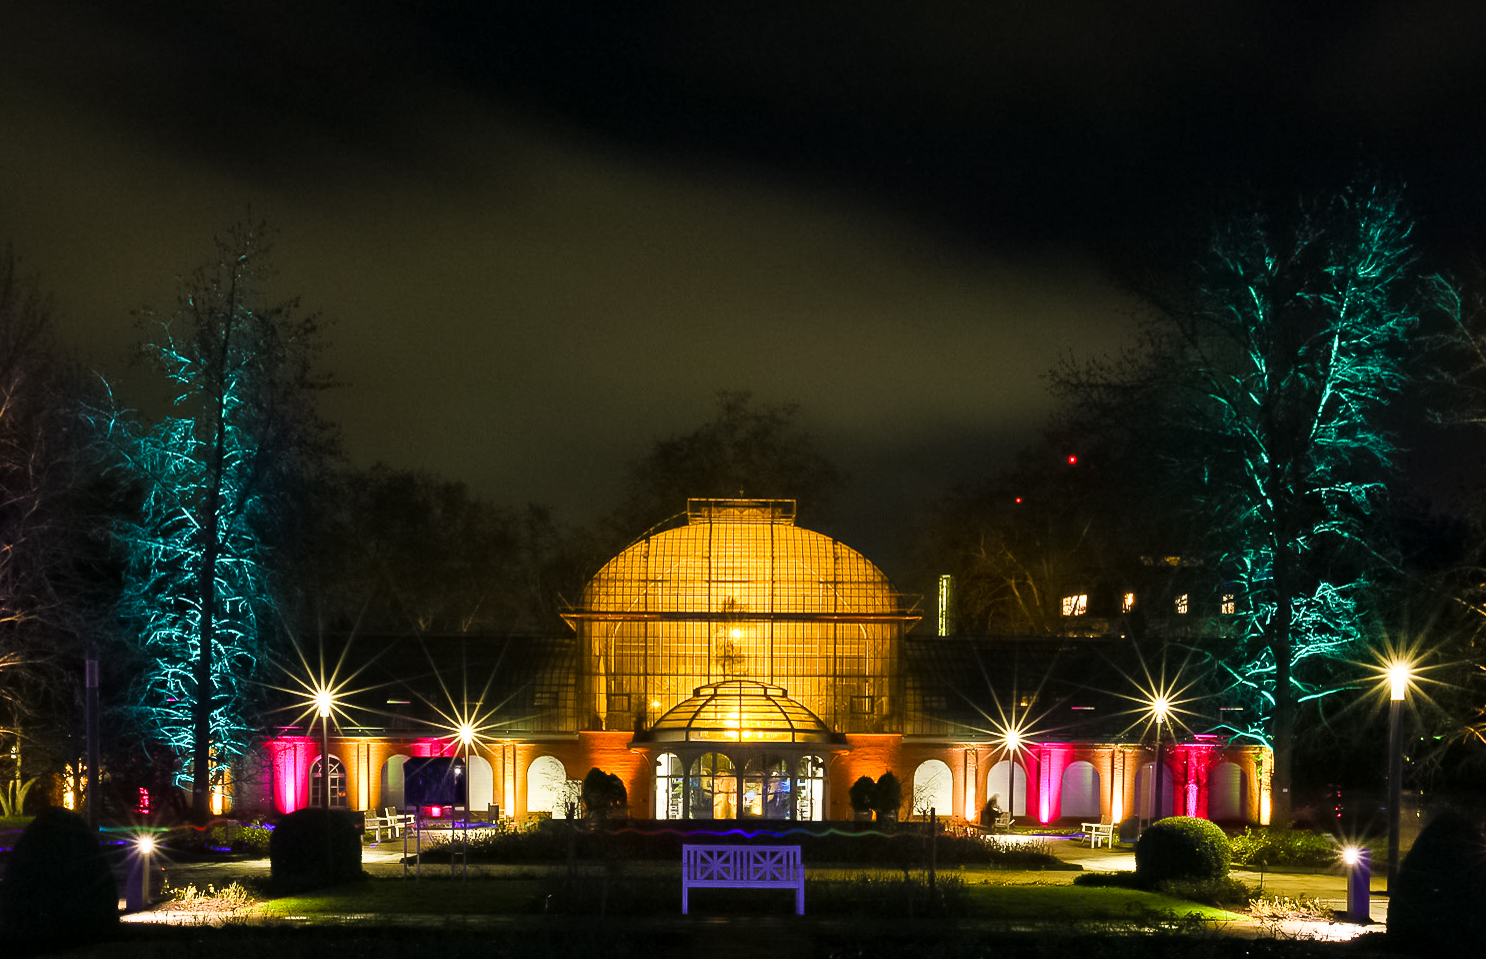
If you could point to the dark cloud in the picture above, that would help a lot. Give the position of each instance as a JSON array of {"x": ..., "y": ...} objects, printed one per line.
[{"x": 550, "y": 232}]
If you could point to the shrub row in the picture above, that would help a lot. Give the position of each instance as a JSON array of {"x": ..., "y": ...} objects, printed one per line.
[{"x": 850, "y": 843}]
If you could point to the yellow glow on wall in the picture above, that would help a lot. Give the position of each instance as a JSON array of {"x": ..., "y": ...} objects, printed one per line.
[
  {"x": 971, "y": 779},
  {"x": 364, "y": 770}
]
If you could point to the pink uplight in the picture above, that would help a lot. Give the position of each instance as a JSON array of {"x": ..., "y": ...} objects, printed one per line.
[{"x": 291, "y": 757}]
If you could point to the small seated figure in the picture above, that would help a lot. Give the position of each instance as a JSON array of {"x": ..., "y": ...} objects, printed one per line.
[{"x": 990, "y": 814}]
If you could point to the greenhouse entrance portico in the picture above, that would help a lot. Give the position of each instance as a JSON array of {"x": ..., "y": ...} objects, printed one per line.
[{"x": 740, "y": 749}]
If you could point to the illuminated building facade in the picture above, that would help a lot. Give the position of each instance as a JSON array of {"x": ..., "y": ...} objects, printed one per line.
[{"x": 739, "y": 666}]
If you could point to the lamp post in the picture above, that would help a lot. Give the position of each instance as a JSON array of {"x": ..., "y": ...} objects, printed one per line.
[
  {"x": 323, "y": 701},
  {"x": 1399, "y": 674},
  {"x": 1161, "y": 709}
]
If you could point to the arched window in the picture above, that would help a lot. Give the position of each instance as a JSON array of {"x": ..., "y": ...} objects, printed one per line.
[
  {"x": 810, "y": 788},
  {"x": 1145, "y": 792},
  {"x": 337, "y": 784},
  {"x": 670, "y": 786},
  {"x": 933, "y": 788},
  {"x": 1007, "y": 781},
  {"x": 546, "y": 781},
  {"x": 392, "y": 781},
  {"x": 1225, "y": 793},
  {"x": 1080, "y": 795},
  {"x": 481, "y": 783},
  {"x": 767, "y": 785},
  {"x": 713, "y": 787}
]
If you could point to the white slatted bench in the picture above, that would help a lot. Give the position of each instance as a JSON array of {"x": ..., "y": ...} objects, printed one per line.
[
  {"x": 393, "y": 822},
  {"x": 742, "y": 867},
  {"x": 1098, "y": 832}
]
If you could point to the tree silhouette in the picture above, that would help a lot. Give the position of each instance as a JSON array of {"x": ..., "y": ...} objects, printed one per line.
[
  {"x": 1273, "y": 369},
  {"x": 219, "y": 481}
]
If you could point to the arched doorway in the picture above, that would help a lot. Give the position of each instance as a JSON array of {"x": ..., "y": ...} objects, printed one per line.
[
  {"x": 933, "y": 788},
  {"x": 391, "y": 781},
  {"x": 767, "y": 785},
  {"x": 1145, "y": 789},
  {"x": 670, "y": 787},
  {"x": 1008, "y": 781},
  {"x": 1080, "y": 793},
  {"x": 337, "y": 784},
  {"x": 546, "y": 782},
  {"x": 1225, "y": 793},
  {"x": 713, "y": 787},
  {"x": 481, "y": 782},
  {"x": 810, "y": 783}
]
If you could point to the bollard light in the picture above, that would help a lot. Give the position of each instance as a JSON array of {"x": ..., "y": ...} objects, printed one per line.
[
  {"x": 1359, "y": 884},
  {"x": 137, "y": 884}
]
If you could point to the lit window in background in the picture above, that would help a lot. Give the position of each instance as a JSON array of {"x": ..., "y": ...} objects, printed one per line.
[
  {"x": 1181, "y": 605},
  {"x": 1230, "y": 605},
  {"x": 1076, "y": 605},
  {"x": 1128, "y": 603}
]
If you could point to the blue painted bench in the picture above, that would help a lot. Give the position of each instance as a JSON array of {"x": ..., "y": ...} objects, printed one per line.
[{"x": 742, "y": 867}]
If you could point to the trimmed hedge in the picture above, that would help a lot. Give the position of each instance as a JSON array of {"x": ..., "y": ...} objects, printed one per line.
[
  {"x": 59, "y": 890},
  {"x": 1181, "y": 847},
  {"x": 314, "y": 847},
  {"x": 906, "y": 845}
]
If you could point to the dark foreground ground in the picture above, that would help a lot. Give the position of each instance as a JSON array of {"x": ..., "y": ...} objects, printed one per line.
[{"x": 699, "y": 938}]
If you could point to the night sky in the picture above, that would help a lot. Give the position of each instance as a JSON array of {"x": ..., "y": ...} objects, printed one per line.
[{"x": 548, "y": 233}]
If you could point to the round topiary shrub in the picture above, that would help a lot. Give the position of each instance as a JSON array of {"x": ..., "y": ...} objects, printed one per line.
[
  {"x": 1438, "y": 905},
  {"x": 1181, "y": 847},
  {"x": 58, "y": 889},
  {"x": 313, "y": 848}
]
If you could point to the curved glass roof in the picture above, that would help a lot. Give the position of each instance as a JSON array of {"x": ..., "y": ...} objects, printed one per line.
[
  {"x": 739, "y": 592},
  {"x": 740, "y": 711},
  {"x": 741, "y": 559}
]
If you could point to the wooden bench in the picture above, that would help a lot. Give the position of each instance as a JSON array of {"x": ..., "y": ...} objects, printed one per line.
[
  {"x": 742, "y": 867},
  {"x": 391, "y": 821},
  {"x": 1098, "y": 832}
]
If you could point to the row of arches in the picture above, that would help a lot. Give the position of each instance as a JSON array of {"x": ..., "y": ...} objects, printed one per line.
[
  {"x": 546, "y": 783},
  {"x": 764, "y": 785},
  {"x": 1081, "y": 794}
]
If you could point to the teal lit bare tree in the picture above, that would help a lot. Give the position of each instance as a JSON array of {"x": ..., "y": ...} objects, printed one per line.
[
  {"x": 221, "y": 481},
  {"x": 1275, "y": 369}
]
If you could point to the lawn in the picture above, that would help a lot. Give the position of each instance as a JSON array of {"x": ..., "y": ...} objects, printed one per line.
[
  {"x": 1073, "y": 904},
  {"x": 526, "y": 896},
  {"x": 403, "y": 897}
]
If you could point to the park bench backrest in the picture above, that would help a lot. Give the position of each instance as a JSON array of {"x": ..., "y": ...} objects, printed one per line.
[{"x": 742, "y": 867}]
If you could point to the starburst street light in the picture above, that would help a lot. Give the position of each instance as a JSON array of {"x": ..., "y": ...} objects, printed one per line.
[
  {"x": 1159, "y": 703},
  {"x": 1400, "y": 674},
  {"x": 323, "y": 694}
]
